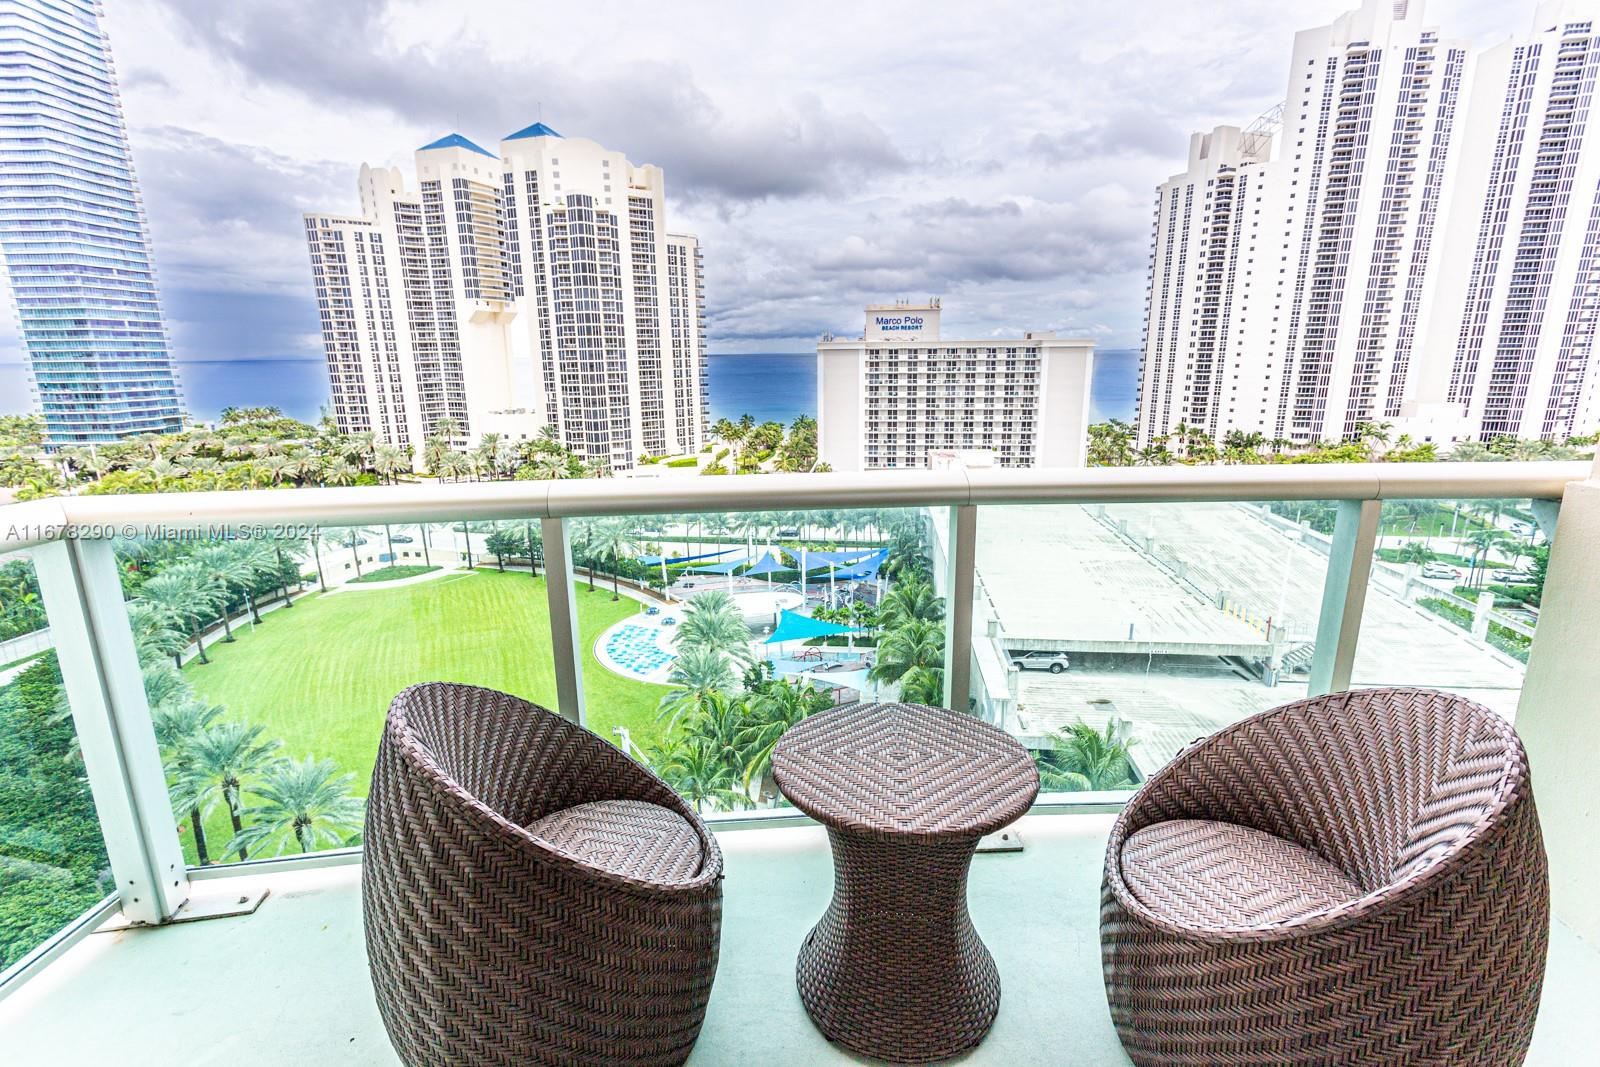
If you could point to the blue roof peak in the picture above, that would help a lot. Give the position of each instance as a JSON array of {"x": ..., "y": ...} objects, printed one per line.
[
  {"x": 455, "y": 140},
  {"x": 538, "y": 129}
]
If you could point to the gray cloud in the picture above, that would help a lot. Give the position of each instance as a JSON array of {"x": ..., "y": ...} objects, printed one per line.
[
  {"x": 1002, "y": 155},
  {"x": 226, "y": 216},
  {"x": 655, "y": 108}
]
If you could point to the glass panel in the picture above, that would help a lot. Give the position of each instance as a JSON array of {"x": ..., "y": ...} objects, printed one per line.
[
  {"x": 269, "y": 731},
  {"x": 52, "y": 858},
  {"x": 704, "y": 641},
  {"x": 1108, "y": 637},
  {"x": 1453, "y": 599}
]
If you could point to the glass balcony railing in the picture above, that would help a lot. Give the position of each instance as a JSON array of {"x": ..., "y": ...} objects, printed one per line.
[
  {"x": 53, "y": 863},
  {"x": 214, "y": 669}
]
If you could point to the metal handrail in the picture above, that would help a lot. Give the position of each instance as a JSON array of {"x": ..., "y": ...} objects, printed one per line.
[{"x": 41, "y": 521}]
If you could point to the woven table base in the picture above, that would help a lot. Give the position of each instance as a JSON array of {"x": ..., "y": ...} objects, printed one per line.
[{"x": 894, "y": 968}]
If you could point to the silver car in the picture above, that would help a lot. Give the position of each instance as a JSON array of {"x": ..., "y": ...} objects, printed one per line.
[{"x": 1054, "y": 662}]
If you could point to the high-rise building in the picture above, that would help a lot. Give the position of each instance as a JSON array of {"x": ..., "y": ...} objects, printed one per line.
[
  {"x": 73, "y": 231},
  {"x": 1286, "y": 289},
  {"x": 537, "y": 286},
  {"x": 898, "y": 393},
  {"x": 1511, "y": 345},
  {"x": 1212, "y": 223},
  {"x": 1415, "y": 246}
]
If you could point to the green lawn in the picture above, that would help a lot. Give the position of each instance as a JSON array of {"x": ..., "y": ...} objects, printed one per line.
[
  {"x": 320, "y": 675},
  {"x": 1436, "y": 523}
]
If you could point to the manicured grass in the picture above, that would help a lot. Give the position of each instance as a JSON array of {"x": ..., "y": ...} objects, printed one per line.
[
  {"x": 394, "y": 573},
  {"x": 320, "y": 675},
  {"x": 1437, "y": 523}
]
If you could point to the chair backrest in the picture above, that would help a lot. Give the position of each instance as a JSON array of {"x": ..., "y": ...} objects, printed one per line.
[
  {"x": 1381, "y": 782},
  {"x": 519, "y": 760}
]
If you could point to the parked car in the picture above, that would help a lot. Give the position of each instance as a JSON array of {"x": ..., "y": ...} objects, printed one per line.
[
  {"x": 1439, "y": 570},
  {"x": 1054, "y": 662},
  {"x": 789, "y": 533},
  {"x": 402, "y": 539},
  {"x": 1522, "y": 529},
  {"x": 1513, "y": 577}
]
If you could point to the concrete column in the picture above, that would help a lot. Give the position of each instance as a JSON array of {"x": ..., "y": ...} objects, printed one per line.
[
  {"x": 1480, "y": 617},
  {"x": 1557, "y": 715}
]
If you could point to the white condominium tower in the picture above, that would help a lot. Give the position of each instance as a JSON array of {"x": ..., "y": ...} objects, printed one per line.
[
  {"x": 1285, "y": 295},
  {"x": 1511, "y": 347},
  {"x": 537, "y": 286},
  {"x": 898, "y": 392},
  {"x": 1389, "y": 254}
]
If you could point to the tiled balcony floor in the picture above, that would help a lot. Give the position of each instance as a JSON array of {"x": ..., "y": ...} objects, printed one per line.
[{"x": 288, "y": 985}]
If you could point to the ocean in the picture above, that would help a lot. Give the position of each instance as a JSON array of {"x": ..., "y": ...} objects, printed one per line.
[{"x": 775, "y": 386}]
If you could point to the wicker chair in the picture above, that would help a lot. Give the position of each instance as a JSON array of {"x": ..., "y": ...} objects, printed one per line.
[
  {"x": 531, "y": 894},
  {"x": 1355, "y": 879}
]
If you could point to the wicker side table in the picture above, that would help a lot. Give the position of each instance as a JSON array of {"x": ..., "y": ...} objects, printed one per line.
[{"x": 894, "y": 969}]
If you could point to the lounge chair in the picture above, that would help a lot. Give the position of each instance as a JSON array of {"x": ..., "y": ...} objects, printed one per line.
[
  {"x": 1354, "y": 879},
  {"x": 530, "y": 893}
]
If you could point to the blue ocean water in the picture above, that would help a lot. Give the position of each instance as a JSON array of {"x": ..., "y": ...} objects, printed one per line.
[
  {"x": 781, "y": 385},
  {"x": 298, "y": 386},
  {"x": 767, "y": 386},
  {"x": 773, "y": 386}
]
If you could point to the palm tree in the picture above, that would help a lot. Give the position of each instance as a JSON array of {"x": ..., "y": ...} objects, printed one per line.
[
  {"x": 389, "y": 462},
  {"x": 350, "y": 537},
  {"x": 153, "y": 632},
  {"x": 923, "y": 685},
  {"x": 1414, "y": 552},
  {"x": 695, "y": 770},
  {"x": 773, "y": 710},
  {"x": 185, "y": 593},
  {"x": 229, "y": 572},
  {"x": 550, "y": 465},
  {"x": 1082, "y": 758},
  {"x": 711, "y": 620},
  {"x": 919, "y": 643},
  {"x": 698, "y": 675},
  {"x": 1482, "y": 541},
  {"x": 910, "y": 601},
  {"x": 178, "y": 720},
  {"x": 308, "y": 801},
  {"x": 455, "y": 465},
  {"x": 614, "y": 538},
  {"x": 221, "y": 758},
  {"x": 339, "y": 471}
]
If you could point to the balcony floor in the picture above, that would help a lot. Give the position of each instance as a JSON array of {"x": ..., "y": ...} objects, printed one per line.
[{"x": 288, "y": 985}]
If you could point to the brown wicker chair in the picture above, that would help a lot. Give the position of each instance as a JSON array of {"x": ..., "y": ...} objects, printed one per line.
[
  {"x": 1354, "y": 879},
  {"x": 531, "y": 894}
]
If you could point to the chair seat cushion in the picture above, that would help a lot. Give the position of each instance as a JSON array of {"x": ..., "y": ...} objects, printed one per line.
[
  {"x": 1215, "y": 875},
  {"x": 625, "y": 837}
]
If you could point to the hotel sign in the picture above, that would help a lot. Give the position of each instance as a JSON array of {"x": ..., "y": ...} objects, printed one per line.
[{"x": 902, "y": 323}]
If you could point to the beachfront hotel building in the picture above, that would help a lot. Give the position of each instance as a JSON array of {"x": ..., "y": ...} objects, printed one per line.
[
  {"x": 898, "y": 393},
  {"x": 511, "y": 290},
  {"x": 73, "y": 233},
  {"x": 1410, "y": 240}
]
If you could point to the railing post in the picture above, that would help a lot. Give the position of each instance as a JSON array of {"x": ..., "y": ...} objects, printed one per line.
[
  {"x": 82, "y": 592},
  {"x": 564, "y": 643},
  {"x": 961, "y": 559},
  {"x": 1344, "y": 594}
]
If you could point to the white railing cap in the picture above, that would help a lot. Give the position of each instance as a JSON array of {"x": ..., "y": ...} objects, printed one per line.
[{"x": 288, "y": 510}]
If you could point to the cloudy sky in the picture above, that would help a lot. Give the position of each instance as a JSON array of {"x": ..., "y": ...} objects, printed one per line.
[{"x": 1001, "y": 155}]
